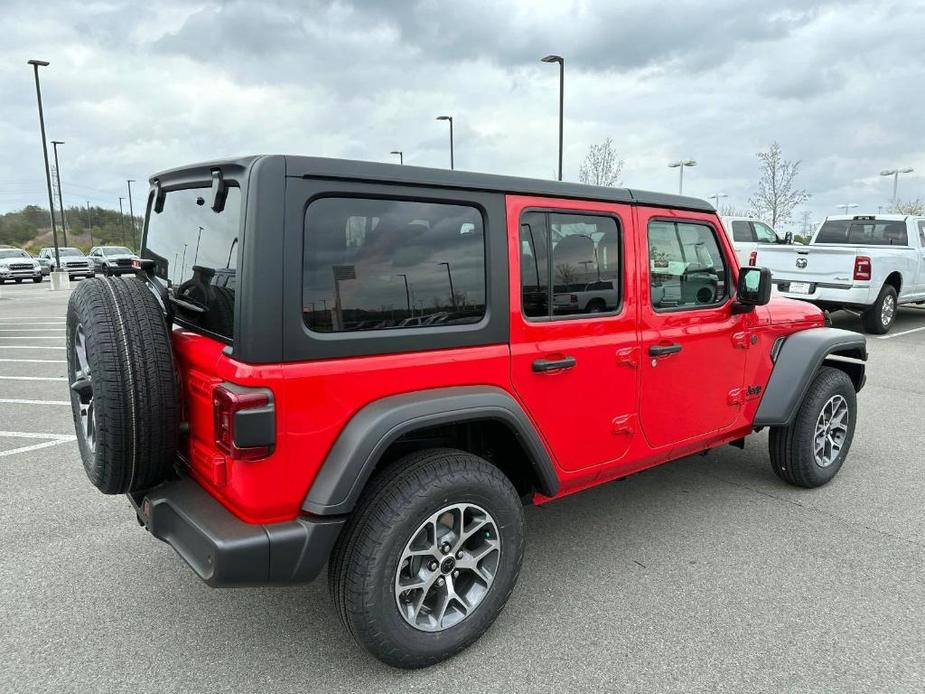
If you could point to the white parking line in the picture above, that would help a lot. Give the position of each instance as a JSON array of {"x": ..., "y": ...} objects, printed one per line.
[
  {"x": 900, "y": 333},
  {"x": 31, "y": 337},
  {"x": 18, "y": 401},
  {"x": 32, "y": 378},
  {"x": 50, "y": 440},
  {"x": 34, "y": 361},
  {"x": 31, "y": 318},
  {"x": 32, "y": 322},
  {"x": 27, "y": 330}
]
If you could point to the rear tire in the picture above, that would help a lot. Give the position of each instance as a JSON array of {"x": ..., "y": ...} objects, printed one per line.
[
  {"x": 810, "y": 451},
  {"x": 878, "y": 319},
  {"x": 36, "y": 279},
  {"x": 446, "y": 506},
  {"x": 124, "y": 393}
]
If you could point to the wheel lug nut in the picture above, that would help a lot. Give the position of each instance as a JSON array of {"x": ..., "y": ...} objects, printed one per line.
[
  {"x": 433, "y": 566},
  {"x": 445, "y": 548},
  {"x": 459, "y": 554},
  {"x": 456, "y": 573},
  {"x": 440, "y": 581}
]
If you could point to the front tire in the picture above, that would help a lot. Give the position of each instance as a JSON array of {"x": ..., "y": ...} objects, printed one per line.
[
  {"x": 429, "y": 557},
  {"x": 811, "y": 450},
  {"x": 878, "y": 319}
]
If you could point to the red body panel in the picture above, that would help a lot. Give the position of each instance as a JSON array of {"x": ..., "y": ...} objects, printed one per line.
[{"x": 615, "y": 413}]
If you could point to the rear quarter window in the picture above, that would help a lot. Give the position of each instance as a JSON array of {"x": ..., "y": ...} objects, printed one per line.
[{"x": 381, "y": 264}]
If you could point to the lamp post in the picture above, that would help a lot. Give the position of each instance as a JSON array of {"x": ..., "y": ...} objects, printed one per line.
[
  {"x": 895, "y": 174},
  {"x": 401, "y": 155},
  {"x": 846, "y": 206},
  {"x": 122, "y": 221},
  {"x": 450, "y": 119},
  {"x": 196, "y": 254},
  {"x": 36, "y": 64},
  {"x": 716, "y": 198},
  {"x": 680, "y": 164},
  {"x": 54, "y": 144},
  {"x": 89, "y": 224},
  {"x": 407, "y": 291},
  {"x": 131, "y": 211},
  {"x": 449, "y": 274},
  {"x": 559, "y": 59}
]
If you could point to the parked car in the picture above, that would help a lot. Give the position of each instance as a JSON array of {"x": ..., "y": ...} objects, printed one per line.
[
  {"x": 72, "y": 260},
  {"x": 295, "y": 422},
  {"x": 17, "y": 265},
  {"x": 593, "y": 297},
  {"x": 749, "y": 234},
  {"x": 870, "y": 263},
  {"x": 112, "y": 260}
]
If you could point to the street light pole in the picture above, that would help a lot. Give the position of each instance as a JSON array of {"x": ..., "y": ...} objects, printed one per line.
[
  {"x": 131, "y": 211},
  {"x": 407, "y": 291},
  {"x": 449, "y": 274},
  {"x": 716, "y": 197},
  {"x": 401, "y": 155},
  {"x": 680, "y": 165},
  {"x": 450, "y": 119},
  {"x": 122, "y": 221},
  {"x": 846, "y": 206},
  {"x": 36, "y": 64},
  {"x": 54, "y": 144},
  {"x": 196, "y": 254},
  {"x": 559, "y": 59},
  {"x": 895, "y": 174},
  {"x": 89, "y": 224}
]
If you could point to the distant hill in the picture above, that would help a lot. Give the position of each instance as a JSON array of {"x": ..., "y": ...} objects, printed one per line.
[{"x": 30, "y": 228}]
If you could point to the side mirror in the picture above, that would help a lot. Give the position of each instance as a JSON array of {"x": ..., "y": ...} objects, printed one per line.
[
  {"x": 788, "y": 238},
  {"x": 753, "y": 289}
]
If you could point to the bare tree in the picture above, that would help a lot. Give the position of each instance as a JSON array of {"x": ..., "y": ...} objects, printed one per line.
[
  {"x": 731, "y": 210},
  {"x": 915, "y": 207},
  {"x": 777, "y": 194},
  {"x": 602, "y": 165}
]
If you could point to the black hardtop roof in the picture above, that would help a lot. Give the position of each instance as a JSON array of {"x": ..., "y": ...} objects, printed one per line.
[{"x": 355, "y": 170}]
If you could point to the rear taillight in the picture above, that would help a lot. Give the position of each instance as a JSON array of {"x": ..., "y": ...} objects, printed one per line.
[
  {"x": 245, "y": 421},
  {"x": 753, "y": 259},
  {"x": 861, "y": 267}
]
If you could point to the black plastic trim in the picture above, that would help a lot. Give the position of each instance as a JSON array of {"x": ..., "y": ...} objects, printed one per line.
[
  {"x": 366, "y": 436},
  {"x": 224, "y": 550},
  {"x": 797, "y": 362}
]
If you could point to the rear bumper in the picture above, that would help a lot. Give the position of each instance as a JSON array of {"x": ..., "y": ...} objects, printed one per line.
[
  {"x": 224, "y": 550},
  {"x": 828, "y": 293}
]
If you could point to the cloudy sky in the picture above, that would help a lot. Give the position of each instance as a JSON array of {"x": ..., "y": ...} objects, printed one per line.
[{"x": 137, "y": 87}]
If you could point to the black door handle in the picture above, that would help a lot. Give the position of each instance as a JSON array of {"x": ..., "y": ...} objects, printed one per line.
[
  {"x": 662, "y": 350},
  {"x": 541, "y": 365}
]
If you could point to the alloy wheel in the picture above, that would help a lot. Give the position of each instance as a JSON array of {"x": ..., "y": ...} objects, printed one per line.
[
  {"x": 82, "y": 387},
  {"x": 831, "y": 431}
]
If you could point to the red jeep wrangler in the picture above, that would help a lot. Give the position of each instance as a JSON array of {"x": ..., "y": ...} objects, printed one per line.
[{"x": 376, "y": 367}]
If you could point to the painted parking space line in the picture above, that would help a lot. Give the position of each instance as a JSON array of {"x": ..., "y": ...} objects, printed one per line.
[
  {"x": 32, "y": 378},
  {"x": 47, "y": 440},
  {"x": 28, "y": 330},
  {"x": 900, "y": 333},
  {"x": 31, "y": 337},
  {"x": 22, "y": 401},
  {"x": 30, "y": 347},
  {"x": 34, "y": 361}
]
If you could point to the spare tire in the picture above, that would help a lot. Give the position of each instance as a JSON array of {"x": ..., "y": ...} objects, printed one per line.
[{"x": 124, "y": 392}]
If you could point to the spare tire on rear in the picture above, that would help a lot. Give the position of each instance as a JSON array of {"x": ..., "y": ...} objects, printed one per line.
[{"x": 124, "y": 392}]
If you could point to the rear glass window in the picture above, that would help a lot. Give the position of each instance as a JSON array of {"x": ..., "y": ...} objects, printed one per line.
[
  {"x": 392, "y": 264},
  {"x": 195, "y": 251},
  {"x": 859, "y": 232},
  {"x": 742, "y": 231}
]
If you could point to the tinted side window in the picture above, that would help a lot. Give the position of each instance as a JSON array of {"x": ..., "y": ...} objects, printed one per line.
[
  {"x": 742, "y": 231},
  {"x": 581, "y": 253},
  {"x": 922, "y": 233},
  {"x": 686, "y": 266},
  {"x": 391, "y": 264}
]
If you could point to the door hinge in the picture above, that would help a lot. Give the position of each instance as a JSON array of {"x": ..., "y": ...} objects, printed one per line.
[
  {"x": 627, "y": 357},
  {"x": 623, "y": 425},
  {"x": 736, "y": 396}
]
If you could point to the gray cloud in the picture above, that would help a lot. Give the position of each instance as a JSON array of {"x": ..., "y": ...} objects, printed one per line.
[{"x": 136, "y": 87}]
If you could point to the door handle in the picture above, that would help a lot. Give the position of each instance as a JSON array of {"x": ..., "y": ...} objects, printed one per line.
[
  {"x": 543, "y": 365},
  {"x": 662, "y": 350}
]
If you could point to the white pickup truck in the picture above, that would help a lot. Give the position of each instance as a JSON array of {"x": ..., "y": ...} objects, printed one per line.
[{"x": 871, "y": 263}]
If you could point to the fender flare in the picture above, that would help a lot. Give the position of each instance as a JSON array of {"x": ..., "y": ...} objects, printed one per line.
[
  {"x": 358, "y": 448},
  {"x": 796, "y": 361}
]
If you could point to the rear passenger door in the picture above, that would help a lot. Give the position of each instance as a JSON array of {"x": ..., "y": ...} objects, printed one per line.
[
  {"x": 920, "y": 282},
  {"x": 574, "y": 362},
  {"x": 693, "y": 347}
]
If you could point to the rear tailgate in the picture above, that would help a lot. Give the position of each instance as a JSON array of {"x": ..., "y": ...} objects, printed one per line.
[{"x": 830, "y": 264}]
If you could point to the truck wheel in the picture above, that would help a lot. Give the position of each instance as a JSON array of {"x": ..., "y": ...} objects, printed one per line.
[
  {"x": 36, "y": 279},
  {"x": 124, "y": 394},
  {"x": 878, "y": 319},
  {"x": 811, "y": 450},
  {"x": 429, "y": 557}
]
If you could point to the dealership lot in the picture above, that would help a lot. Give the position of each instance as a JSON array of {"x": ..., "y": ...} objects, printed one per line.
[{"x": 704, "y": 574}]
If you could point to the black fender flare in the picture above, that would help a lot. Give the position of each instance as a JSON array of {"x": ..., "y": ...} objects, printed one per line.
[
  {"x": 351, "y": 460},
  {"x": 797, "y": 359}
]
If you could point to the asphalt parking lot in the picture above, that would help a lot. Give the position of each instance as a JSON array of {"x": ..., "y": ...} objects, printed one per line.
[{"x": 707, "y": 574}]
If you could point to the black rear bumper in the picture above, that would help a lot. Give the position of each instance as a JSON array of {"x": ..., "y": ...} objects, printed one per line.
[{"x": 224, "y": 550}]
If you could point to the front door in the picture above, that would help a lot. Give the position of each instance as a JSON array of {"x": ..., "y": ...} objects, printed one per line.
[
  {"x": 693, "y": 347},
  {"x": 574, "y": 345}
]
